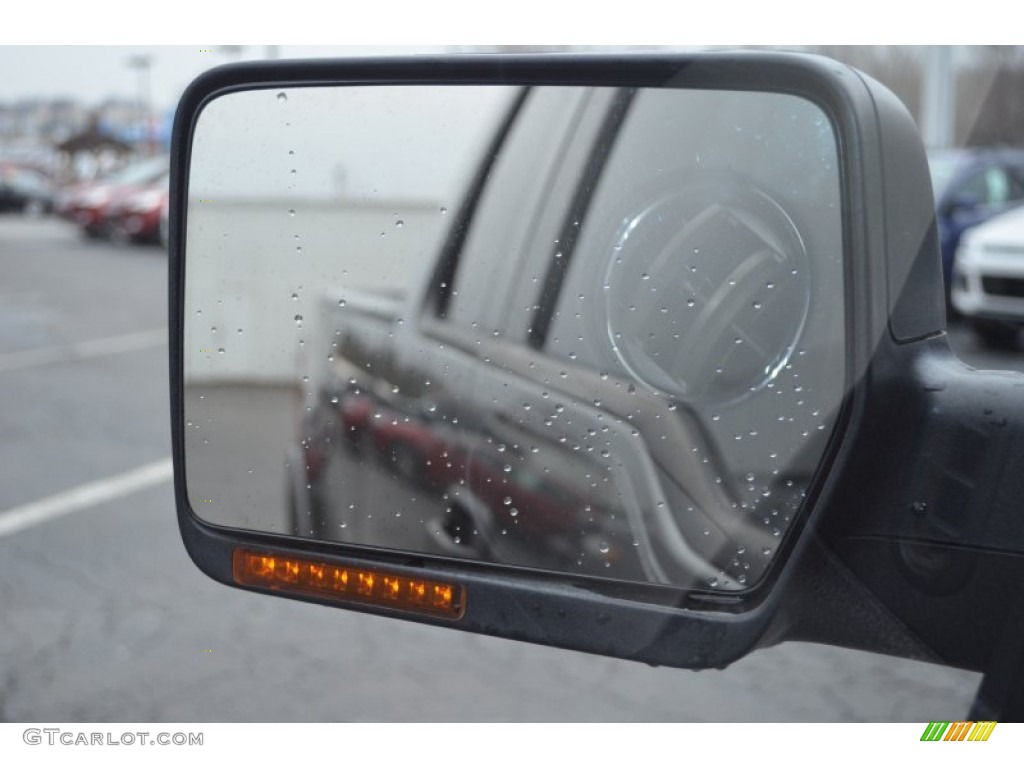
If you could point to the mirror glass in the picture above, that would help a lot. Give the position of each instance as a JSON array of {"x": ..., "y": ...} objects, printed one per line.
[{"x": 597, "y": 331}]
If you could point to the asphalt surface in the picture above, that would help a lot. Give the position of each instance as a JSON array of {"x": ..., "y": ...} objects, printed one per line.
[{"x": 104, "y": 618}]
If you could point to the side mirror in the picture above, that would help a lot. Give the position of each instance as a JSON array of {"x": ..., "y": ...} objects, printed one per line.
[{"x": 596, "y": 352}]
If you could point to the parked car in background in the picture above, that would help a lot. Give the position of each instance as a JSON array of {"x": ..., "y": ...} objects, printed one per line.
[
  {"x": 88, "y": 205},
  {"x": 24, "y": 189},
  {"x": 135, "y": 215},
  {"x": 971, "y": 186},
  {"x": 988, "y": 279}
]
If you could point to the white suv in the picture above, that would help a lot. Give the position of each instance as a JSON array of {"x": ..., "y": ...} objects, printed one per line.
[{"x": 988, "y": 279}]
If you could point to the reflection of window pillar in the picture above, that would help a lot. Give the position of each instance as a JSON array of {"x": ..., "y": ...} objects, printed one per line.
[{"x": 937, "y": 113}]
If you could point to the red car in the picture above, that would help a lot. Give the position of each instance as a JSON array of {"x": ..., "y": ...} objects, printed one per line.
[
  {"x": 88, "y": 205},
  {"x": 135, "y": 215}
]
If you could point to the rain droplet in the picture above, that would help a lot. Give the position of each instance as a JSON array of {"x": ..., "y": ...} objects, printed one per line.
[
  {"x": 282, "y": 96},
  {"x": 298, "y": 320},
  {"x": 604, "y": 547},
  {"x": 399, "y": 223}
]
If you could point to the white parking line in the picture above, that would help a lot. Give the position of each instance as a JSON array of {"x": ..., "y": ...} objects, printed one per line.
[
  {"x": 84, "y": 496},
  {"x": 109, "y": 345}
]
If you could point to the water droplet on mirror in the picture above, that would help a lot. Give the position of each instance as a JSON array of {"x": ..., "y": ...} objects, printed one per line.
[
  {"x": 295, "y": 297},
  {"x": 291, "y": 211},
  {"x": 220, "y": 351},
  {"x": 399, "y": 223},
  {"x": 604, "y": 548},
  {"x": 282, "y": 96},
  {"x": 298, "y": 320}
]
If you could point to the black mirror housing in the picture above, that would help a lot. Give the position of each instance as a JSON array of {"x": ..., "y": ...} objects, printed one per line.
[{"x": 893, "y": 311}]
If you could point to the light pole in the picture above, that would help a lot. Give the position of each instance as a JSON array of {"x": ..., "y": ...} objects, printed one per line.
[{"x": 143, "y": 63}]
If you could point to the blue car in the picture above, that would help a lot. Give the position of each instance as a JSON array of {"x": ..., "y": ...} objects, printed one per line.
[{"x": 971, "y": 186}]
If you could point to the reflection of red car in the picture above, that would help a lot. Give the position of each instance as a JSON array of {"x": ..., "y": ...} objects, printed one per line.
[
  {"x": 510, "y": 486},
  {"x": 135, "y": 215},
  {"x": 411, "y": 442},
  {"x": 88, "y": 205}
]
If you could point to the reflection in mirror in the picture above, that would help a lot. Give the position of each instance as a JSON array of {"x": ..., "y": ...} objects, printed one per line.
[{"x": 588, "y": 330}]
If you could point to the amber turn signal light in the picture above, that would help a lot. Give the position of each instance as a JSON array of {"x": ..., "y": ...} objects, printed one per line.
[{"x": 348, "y": 584}]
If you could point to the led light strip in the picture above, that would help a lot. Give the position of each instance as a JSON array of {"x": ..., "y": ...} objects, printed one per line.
[{"x": 368, "y": 586}]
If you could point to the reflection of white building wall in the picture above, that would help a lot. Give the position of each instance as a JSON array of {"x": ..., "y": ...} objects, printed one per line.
[{"x": 253, "y": 268}]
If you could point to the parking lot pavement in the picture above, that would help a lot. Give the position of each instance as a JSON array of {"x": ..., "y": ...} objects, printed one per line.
[{"x": 107, "y": 620}]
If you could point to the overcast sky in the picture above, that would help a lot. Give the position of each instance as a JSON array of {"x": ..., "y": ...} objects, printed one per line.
[{"x": 90, "y": 74}]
